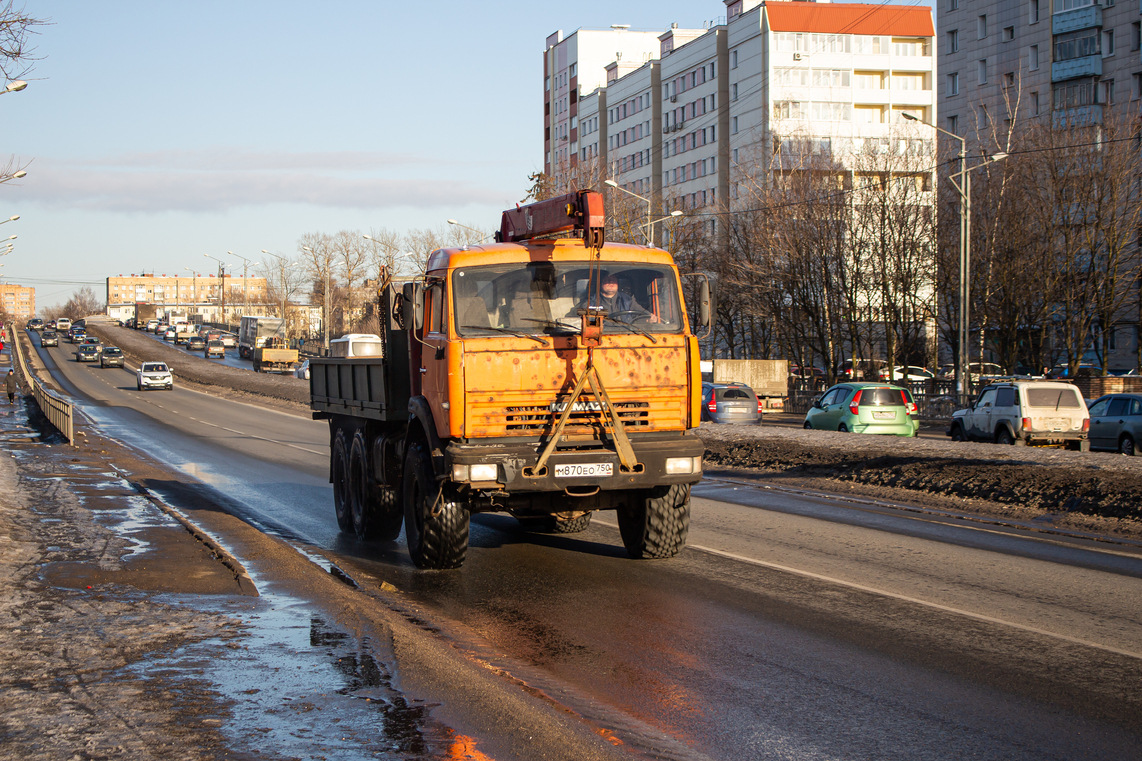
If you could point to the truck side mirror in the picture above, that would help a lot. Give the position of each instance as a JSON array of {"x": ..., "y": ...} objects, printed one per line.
[
  {"x": 414, "y": 305},
  {"x": 705, "y": 308}
]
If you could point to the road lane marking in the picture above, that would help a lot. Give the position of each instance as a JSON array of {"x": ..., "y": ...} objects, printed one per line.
[
  {"x": 905, "y": 598},
  {"x": 259, "y": 438}
]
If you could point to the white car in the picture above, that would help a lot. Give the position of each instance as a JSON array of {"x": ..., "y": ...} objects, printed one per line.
[
  {"x": 154, "y": 375},
  {"x": 302, "y": 370}
]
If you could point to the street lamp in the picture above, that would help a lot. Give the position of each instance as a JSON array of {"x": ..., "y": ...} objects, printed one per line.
[
  {"x": 12, "y": 218},
  {"x": 16, "y": 86},
  {"x": 193, "y": 286},
  {"x": 245, "y": 265},
  {"x": 650, "y": 225},
  {"x": 649, "y": 222},
  {"x": 964, "y": 191},
  {"x": 221, "y": 287}
]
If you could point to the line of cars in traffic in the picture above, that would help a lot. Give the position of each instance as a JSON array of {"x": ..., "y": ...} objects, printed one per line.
[
  {"x": 91, "y": 349},
  {"x": 210, "y": 341}
]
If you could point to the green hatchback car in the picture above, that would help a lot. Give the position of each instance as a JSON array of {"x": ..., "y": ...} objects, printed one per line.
[{"x": 865, "y": 408}]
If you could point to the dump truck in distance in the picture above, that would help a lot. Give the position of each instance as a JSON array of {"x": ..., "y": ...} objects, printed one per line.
[
  {"x": 254, "y": 330},
  {"x": 546, "y": 377}
]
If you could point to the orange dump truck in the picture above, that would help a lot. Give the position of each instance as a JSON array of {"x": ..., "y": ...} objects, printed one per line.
[{"x": 548, "y": 375}]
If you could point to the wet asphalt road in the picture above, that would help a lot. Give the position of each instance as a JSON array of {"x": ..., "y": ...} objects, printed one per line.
[{"x": 796, "y": 625}]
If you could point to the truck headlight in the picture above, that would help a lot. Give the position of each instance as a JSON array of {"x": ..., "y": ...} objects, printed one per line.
[
  {"x": 478, "y": 472},
  {"x": 680, "y": 466}
]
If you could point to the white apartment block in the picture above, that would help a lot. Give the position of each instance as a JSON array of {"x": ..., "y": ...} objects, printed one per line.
[
  {"x": 576, "y": 66},
  {"x": 836, "y": 78},
  {"x": 1026, "y": 58}
]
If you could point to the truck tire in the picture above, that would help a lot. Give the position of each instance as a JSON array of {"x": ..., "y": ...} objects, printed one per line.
[
  {"x": 435, "y": 522},
  {"x": 373, "y": 508},
  {"x": 339, "y": 471},
  {"x": 957, "y": 433},
  {"x": 654, "y": 523}
]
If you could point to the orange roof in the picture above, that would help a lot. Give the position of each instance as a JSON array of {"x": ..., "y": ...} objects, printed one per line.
[{"x": 850, "y": 18}]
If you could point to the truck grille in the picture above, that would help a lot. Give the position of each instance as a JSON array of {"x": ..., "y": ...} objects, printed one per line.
[{"x": 538, "y": 419}]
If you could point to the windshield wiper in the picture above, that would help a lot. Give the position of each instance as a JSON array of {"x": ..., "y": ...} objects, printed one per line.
[
  {"x": 509, "y": 331},
  {"x": 632, "y": 328},
  {"x": 551, "y": 323}
]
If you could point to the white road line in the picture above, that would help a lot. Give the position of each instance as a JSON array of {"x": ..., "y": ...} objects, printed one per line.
[{"x": 905, "y": 598}]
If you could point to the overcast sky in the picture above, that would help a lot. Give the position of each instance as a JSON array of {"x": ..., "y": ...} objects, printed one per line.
[{"x": 157, "y": 131}]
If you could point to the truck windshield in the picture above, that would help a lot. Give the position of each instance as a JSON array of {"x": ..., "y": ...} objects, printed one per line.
[{"x": 545, "y": 297}]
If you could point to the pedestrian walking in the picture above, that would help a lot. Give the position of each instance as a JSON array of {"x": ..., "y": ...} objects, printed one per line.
[{"x": 11, "y": 386}]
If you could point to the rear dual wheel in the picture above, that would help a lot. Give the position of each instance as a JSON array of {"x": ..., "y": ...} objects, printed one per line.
[{"x": 373, "y": 509}]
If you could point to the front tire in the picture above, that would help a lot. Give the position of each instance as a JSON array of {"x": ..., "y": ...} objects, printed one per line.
[
  {"x": 654, "y": 524},
  {"x": 435, "y": 522},
  {"x": 958, "y": 433},
  {"x": 808, "y": 426}
]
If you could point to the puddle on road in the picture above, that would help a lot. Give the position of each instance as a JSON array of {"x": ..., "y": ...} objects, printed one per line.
[{"x": 298, "y": 684}]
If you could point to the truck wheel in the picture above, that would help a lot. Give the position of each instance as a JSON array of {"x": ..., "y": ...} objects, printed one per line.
[
  {"x": 435, "y": 522},
  {"x": 373, "y": 508},
  {"x": 339, "y": 466},
  {"x": 654, "y": 524}
]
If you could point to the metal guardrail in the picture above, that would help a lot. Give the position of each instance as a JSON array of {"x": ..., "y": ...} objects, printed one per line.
[{"x": 58, "y": 411}]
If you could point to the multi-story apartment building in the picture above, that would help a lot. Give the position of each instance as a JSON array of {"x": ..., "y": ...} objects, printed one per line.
[
  {"x": 1072, "y": 56},
  {"x": 195, "y": 294},
  {"x": 834, "y": 77},
  {"x": 576, "y": 65},
  {"x": 18, "y": 301}
]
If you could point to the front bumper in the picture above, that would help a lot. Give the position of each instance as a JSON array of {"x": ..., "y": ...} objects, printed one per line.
[
  {"x": 514, "y": 464},
  {"x": 157, "y": 382}
]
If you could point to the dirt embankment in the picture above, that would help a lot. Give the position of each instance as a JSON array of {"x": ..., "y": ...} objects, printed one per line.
[{"x": 1100, "y": 491}]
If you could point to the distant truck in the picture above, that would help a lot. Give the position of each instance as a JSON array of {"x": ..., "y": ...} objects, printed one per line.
[
  {"x": 253, "y": 332},
  {"x": 274, "y": 356}
]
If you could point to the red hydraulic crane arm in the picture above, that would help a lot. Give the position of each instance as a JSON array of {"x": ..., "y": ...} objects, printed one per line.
[{"x": 582, "y": 210}]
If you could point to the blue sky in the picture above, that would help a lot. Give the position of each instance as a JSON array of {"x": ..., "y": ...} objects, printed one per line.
[{"x": 157, "y": 131}]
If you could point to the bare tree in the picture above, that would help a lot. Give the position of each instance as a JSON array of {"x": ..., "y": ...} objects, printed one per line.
[
  {"x": 17, "y": 57},
  {"x": 83, "y": 303}
]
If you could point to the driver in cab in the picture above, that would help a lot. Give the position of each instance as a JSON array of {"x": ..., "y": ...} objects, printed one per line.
[{"x": 618, "y": 305}]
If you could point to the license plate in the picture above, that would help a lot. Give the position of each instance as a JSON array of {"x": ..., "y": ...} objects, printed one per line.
[
  {"x": 584, "y": 469},
  {"x": 883, "y": 415}
]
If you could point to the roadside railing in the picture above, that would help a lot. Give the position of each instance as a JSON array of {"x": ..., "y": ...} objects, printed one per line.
[{"x": 58, "y": 411}]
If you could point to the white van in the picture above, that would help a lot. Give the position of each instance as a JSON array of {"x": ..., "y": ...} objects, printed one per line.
[{"x": 357, "y": 345}]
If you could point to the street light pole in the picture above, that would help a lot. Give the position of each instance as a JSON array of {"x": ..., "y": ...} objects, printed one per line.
[
  {"x": 649, "y": 225},
  {"x": 221, "y": 286},
  {"x": 963, "y": 368},
  {"x": 193, "y": 286},
  {"x": 671, "y": 215},
  {"x": 245, "y": 295}
]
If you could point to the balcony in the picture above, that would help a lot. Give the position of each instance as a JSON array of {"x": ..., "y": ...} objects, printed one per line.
[
  {"x": 1087, "y": 66},
  {"x": 1079, "y": 18}
]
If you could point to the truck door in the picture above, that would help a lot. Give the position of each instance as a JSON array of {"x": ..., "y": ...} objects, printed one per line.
[{"x": 433, "y": 358}]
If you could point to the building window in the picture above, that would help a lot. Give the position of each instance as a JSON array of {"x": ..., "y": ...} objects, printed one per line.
[
  {"x": 1032, "y": 11},
  {"x": 734, "y": 129},
  {"x": 953, "y": 41},
  {"x": 1137, "y": 86},
  {"x": 1035, "y": 103},
  {"x": 981, "y": 26},
  {"x": 1107, "y": 42},
  {"x": 1008, "y": 33},
  {"x": 953, "y": 5},
  {"x": 1106, "y": 91},
  {"x": 954, "y": 83},
  {"x": 1033, "y": 58},
  {"x": 733, "y": 59},
  {"x": 1076, "y": 45},
  {"x": 981, "y": 71},
  {"x": 734, "y": 91},
  {"x": 984, "y": 119}
]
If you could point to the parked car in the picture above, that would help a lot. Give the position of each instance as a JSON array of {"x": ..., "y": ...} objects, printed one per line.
[
  {"x": 1116, "y": 423},
  {"x": 214, "y": 348},
  {"x": 878, "y": 408},
  {"x": 862, "y": 369},
  {"x": 911, "y": 373},
  {"x": 1025, "y": 412},
  {"x": 154, "y": 375},
  {"x": 977, "y": 370},
  {"x": 729, "y": 403},
  {"x": 302, "y": 370},
  {"x": 86, "y": 353},
  {"x": 111, "y": 356},
  {"x": 35, "y": 323},
  {"x": 196, "y": 343},
  {"x": 49, "y": 338}
]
